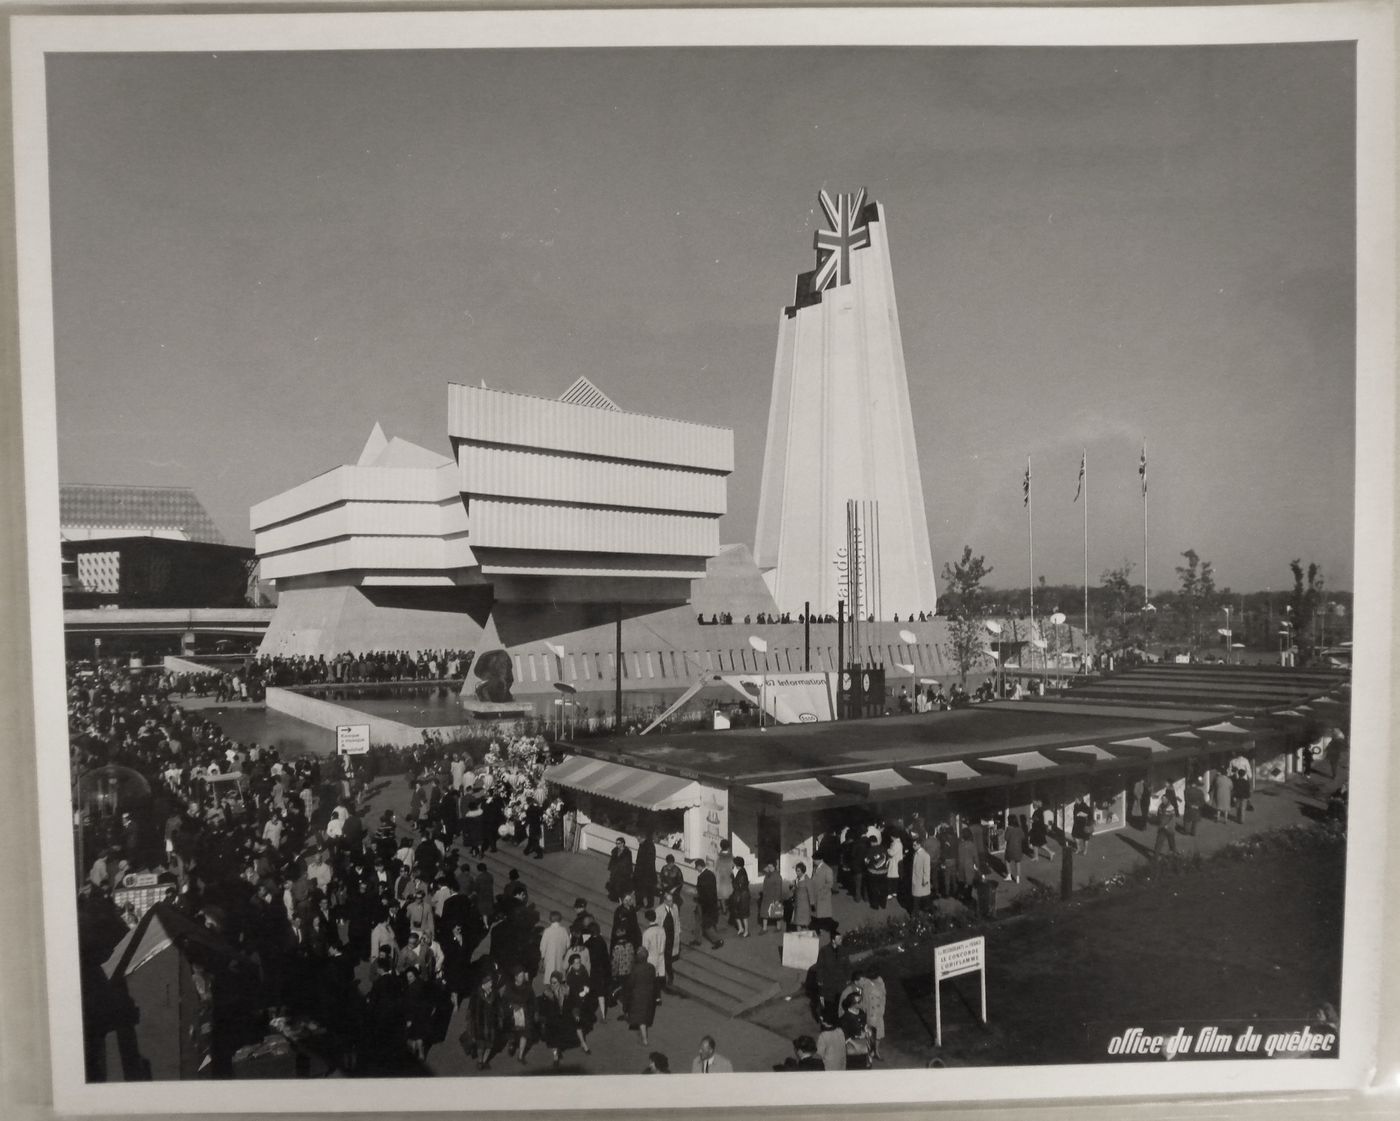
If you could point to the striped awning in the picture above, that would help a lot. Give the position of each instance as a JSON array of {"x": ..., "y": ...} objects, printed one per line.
[
  {"x": 1141, "y": 745},
  {"x": 954, "y": 772},
  {"x": 1085, "y": 753},
  {"x": 794, "y": 790},
  {"x": 1224, "y": 729},
  {"x": 1021, "y": 763},
  {"x": 884, "y": 779},
  {"x": 644, "y": 789}
]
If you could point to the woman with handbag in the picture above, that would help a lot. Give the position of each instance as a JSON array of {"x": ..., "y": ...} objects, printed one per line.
[
  {"x": 740, "y": 898},
  {"x": 770, "y": 900},
  {"x": 856, "y": 1030}
]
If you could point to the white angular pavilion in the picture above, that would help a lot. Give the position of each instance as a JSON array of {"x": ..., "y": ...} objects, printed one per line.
[{"x": 840, "y": 429}]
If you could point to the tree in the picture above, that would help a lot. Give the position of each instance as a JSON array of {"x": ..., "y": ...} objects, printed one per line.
[
  {"x": 1122, "y": 625},
  {"x": 962, "y": 582},
  {"x": 1302, "y": 606},
  {"x": 1198, "y": 596}
]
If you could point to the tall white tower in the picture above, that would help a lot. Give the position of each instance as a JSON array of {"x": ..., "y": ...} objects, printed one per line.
[{"x": 840, "y": 429}]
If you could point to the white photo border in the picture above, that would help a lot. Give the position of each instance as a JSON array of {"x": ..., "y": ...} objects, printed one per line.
[{"x": 1369, "y": 25}]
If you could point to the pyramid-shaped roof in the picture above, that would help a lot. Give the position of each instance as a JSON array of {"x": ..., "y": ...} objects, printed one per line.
[
  {"x": 102, "y": 505},
  {"x": 584, "y": 392}
]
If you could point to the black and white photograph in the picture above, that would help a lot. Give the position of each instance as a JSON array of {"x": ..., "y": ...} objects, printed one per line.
[{"x": 824, "y": 543}]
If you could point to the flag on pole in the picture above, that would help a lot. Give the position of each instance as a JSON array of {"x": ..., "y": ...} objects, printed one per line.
[
  {"x": 1142, "y": 469},
  {"x": 1026, "y": 486},
  {"x": 1079, "y": 489}
]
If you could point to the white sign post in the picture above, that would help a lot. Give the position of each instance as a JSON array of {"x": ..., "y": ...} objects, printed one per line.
[
  {"x": 351, "y": 739},
  {"x": 953, "y": 960}
]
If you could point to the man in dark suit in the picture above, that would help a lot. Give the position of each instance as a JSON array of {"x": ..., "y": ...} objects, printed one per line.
[
  {"x": 644, "y": 872},
  {"x": 707, "y": 904}
]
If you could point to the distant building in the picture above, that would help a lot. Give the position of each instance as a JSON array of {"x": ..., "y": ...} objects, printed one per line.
[
  {"x": 94, "y": 511},
  {"x": 128, "y": 546},
  {"x": 551, "y": 516}
]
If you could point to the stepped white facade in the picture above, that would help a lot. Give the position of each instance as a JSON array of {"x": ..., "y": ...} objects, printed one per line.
[{"x": 840, "y": 428}]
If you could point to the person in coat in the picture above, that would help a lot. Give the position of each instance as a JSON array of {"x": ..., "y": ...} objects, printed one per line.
[
  {"x": 724, "y": 876},
  {"x": 644, "y": 878},
  {"x": 554, "y": 946},
  {"x": 626, "y": 938},
  {"x": 709, "y": 1060},
  {"x": 671, "y": 927},
  {"x": 558, "y": 1026},
  {"x": 483, "y": 1022},
  {"x": 654, "y": 943},
  {"x": 1166, "y": 823},
  {"x": 1224, "y": 793},
  {"x": 831, "y": 1046},
  {"x": 641, "y": 995},
  {"x": 740, "y": 899},
  {"x": 1038, "y": 834},
  {"x": 580, "y": 986},
  {"x": 823, "y": 881},
  {"x": 1015, "y": 840},
  {"x": 707, "y": 904},
  {"x": 599, "y": 963},
  {"x": 518, "y": 1014},
  {"x": 873, "y": 997},
  {"x": 770, "y": 900},
  {"x": 921, "y": 879},
  {"x": 968, "y": 868},
  {"x": 619, "y": 870},
  {"x": 801, "y": 900}
]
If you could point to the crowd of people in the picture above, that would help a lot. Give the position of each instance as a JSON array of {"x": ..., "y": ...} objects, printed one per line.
[
  {"x": 373, "y": 931},
  {"x": 766, "y": 618},
  {"x": 250, "y": 678}
]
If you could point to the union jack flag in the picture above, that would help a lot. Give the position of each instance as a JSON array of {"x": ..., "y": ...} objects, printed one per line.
[{"x": 834, "y": 246}]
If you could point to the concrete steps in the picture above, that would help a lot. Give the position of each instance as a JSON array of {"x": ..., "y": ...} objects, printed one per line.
[{"x": 702, "y": 973}]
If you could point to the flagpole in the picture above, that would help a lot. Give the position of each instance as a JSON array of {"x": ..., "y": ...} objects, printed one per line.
[
  {"x": 1146, "y": 597},
  {"x": 1085, "y": 463},
  {"x": 1030, "y": 540}
]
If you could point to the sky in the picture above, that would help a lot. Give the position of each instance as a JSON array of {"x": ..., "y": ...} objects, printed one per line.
[{"x": 258, "y": 256}]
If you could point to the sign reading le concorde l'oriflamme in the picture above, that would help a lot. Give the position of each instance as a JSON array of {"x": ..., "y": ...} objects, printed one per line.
[{"x": 953, "y": 960}]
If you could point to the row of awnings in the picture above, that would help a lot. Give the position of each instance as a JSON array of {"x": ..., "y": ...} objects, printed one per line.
[
  {"x": 651, "y": 790},
  {"x": 907, "y": 781}
]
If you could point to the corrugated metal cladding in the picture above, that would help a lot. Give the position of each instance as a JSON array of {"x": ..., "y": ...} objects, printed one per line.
[
  {"x": 512, "y": 525},
  {"x": 680, "y": 571},
  {"x": 357, "y": 484},
  {"x": 493, "y": 416},
  {"x": 405, "y": 519},
  {"x": 371, "y": 552},
  {"x": 512, "y": 473}
]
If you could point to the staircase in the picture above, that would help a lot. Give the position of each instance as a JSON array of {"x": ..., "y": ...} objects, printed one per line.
[{"x": 701, "y": 973}]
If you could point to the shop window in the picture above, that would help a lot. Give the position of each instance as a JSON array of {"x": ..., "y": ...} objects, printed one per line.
[{"x": 667, "y": 825}]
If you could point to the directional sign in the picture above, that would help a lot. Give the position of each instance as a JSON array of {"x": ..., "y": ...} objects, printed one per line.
[
  {"x": 953, "y": 960},
  {"x": 957, "y": 958},
  {"x": 351, "y": 739}
]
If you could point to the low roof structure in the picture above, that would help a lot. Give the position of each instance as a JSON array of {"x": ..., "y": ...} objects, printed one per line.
[{"x": 796, "y": 767}]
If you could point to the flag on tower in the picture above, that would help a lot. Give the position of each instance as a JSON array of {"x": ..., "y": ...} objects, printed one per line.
[
  {"x": 1026, "y": 486},
  {"x": 1142, "y": 469},
  {"x": 1079, "y": 489}
]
